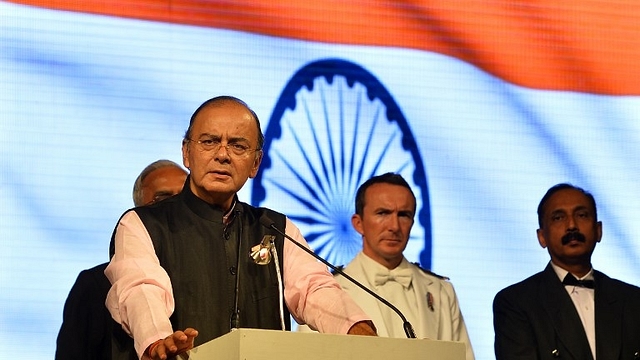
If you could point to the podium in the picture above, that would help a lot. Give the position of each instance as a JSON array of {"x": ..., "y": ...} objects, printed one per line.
[{"x": 255, "y": 344}]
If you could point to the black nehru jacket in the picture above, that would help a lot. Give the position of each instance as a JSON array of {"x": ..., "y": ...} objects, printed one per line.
[{"x": 200, "y": 254}]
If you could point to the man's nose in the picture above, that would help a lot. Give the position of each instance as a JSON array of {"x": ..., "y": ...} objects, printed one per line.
[
  {"x": 394, "y": 222},
  {"x": 571, "y": 226},
  {"x": 223, "y": 152}
]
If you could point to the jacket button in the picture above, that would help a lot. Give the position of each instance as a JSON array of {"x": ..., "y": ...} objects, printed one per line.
[{"x": 232, "y": 270}]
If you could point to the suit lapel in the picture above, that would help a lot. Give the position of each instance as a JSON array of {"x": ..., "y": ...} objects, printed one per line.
[
  {"x": 563, "y": 315},
  {"x": 608, "y": 317}
]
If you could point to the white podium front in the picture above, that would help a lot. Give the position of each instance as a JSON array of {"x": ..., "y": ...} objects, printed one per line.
[{"x": 254, "y": 344}]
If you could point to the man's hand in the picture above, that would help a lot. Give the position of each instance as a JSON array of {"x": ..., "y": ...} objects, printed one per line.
[
  {"x": 172, "y": 345},
  {"x": 363, "y": 328}
]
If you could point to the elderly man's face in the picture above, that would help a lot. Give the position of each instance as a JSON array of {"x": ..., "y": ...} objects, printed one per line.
[
  {"x": 221, "y": 152},
  {"x": 162, "y": 183}
]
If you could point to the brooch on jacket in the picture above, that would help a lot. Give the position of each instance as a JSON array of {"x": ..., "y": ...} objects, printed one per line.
[
  {"x": 430, "y": 301},
  {"x": 261, "y": 253}
]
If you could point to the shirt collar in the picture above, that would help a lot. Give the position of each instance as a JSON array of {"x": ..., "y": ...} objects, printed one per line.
[
  {"x": 204, "y": 209},
  {"x": 562, "y": 273},
  {"x": 372, "y": 267}
]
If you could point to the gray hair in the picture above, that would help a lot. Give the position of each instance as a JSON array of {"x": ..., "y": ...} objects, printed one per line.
[{"x": 137, "y": 186}]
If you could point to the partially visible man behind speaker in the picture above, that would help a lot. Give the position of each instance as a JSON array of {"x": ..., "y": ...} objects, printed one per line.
[{"x": 87, "y": 326}]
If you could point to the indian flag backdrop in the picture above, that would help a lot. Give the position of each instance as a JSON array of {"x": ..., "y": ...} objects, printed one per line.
[{"x": 481, "y": 105}]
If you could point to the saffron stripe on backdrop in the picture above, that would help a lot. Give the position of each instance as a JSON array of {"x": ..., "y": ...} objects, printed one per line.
[{"x": 588, "y": 46}]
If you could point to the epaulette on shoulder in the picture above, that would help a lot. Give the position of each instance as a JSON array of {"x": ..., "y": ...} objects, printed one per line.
[
  {"x": 334, "y": 273},
  {"x": 431, "y": 272}
]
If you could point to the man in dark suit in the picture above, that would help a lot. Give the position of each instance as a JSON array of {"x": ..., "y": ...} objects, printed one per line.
[
  {"x": 87, "y": 327},
  {"x": 569, "y": 310}
]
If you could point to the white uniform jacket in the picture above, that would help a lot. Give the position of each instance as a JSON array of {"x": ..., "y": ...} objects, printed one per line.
[{"x": 438, "y": 311}]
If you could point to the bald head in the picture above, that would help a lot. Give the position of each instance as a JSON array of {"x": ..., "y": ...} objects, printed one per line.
[{"x": 159, "y": 180}]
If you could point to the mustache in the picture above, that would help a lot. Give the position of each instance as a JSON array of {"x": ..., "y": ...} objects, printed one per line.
[{"x": 567, "y": 238}]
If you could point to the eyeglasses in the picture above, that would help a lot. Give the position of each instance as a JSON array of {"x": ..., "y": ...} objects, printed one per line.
[{"x": 211, "y": 144}]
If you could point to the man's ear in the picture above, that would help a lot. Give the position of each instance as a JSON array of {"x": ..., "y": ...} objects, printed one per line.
[
  {"x": 356, "y": 222},
  {"x": 541, "y": 240},
  {"x": 256, "y": 164},
  {"x": 185, "y": 153}
]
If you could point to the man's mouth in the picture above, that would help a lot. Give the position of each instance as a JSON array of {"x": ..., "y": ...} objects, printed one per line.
[{"x": 220, "y": 172}]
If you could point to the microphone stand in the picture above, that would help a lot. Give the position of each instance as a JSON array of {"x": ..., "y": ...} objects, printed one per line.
[
  {"x": 235, "y": 316},
  {"x": 274, "y": 251},
  {"x": 408, "y": 329}
]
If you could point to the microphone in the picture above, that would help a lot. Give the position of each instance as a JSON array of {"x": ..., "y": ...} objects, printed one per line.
[
  {"x": 235, "y": 316},
  {"x": 270, "y": 224}
]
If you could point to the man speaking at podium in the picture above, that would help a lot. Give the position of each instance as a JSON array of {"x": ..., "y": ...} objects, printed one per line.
[{"x": 181, "y": 274}]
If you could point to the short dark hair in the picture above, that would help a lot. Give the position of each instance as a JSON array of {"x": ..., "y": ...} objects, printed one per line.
[
  {"x": 219, "y": 100},
  {"x": 563, "y": 186},
  {"x": 387, "y": 178}
]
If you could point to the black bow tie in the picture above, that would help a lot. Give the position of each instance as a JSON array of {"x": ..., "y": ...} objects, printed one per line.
[{"x": 572, "y": 281}]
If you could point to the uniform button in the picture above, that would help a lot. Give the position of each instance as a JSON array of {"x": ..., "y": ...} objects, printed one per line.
[{"x": 232, "y": 270}]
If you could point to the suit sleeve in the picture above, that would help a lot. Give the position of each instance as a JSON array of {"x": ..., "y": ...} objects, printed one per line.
[
  {"x": 514, "y": 337},
  {"x": 83, "y": 334}
]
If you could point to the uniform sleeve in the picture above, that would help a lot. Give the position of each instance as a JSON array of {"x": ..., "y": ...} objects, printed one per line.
[
  {"x": 458, "y": 326},
  {"x": 312, "y": 294},
  {"x": 141, "y": 296}
]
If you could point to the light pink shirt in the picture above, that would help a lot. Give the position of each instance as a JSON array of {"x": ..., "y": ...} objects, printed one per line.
[{"x": 141, "y": 297}]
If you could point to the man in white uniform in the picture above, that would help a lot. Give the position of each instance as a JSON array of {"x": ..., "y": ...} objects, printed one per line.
[{"x": 385, "y": 210}]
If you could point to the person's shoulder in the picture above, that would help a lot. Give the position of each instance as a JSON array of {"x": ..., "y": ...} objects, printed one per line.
[
  {"x": 523, "y": 287},
  {"x": 92, "y": 273},
  {"x": 91, "y": 282},
  {"x": 261, "y": 210},
  {"x": 430, "y": 273},
  {"x": 162, "y": 211},
  {"x": 616, "y": 284},
  {"x": 97, "y": 270}
]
